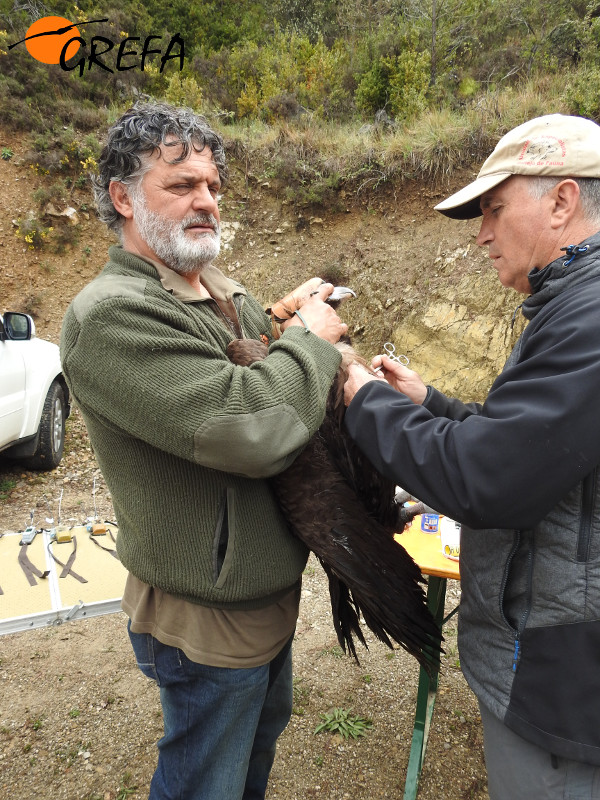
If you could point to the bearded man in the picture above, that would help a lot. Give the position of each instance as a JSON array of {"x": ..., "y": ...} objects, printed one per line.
[{"x": 186, "y": 440}]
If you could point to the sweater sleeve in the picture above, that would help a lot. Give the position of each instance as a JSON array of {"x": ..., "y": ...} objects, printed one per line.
[
  {"x": 536, "y": 436},
  {"x": 158, "y": 372}
]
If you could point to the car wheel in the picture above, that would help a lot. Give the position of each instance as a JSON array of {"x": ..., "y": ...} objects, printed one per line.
[{"x": 52, "y": 431}]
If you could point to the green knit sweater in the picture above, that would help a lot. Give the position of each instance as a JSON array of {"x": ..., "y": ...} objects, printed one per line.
[{"x": 185, "y": 439}]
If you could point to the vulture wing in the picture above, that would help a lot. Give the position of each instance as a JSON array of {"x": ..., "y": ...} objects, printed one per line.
[{"x": 344, "y": 511}]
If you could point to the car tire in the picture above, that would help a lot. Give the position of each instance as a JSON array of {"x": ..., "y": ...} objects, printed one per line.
[{"x": 52, "y": 431}]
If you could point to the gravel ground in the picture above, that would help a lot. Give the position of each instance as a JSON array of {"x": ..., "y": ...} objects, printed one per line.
[{"x": 78, "y": 720}]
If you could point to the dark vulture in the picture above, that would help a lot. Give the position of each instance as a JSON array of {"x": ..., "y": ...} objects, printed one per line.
[{"x": 344, "y": 511}]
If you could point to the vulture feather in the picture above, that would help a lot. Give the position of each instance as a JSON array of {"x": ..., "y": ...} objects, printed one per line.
[{"x": 344, "y": 511}]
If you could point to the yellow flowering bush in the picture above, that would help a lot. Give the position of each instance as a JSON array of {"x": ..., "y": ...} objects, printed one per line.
[{"x": 33, "y": 232}]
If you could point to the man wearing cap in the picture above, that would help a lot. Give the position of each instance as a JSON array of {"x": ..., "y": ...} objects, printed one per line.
[{"x": 520, "y": 472}]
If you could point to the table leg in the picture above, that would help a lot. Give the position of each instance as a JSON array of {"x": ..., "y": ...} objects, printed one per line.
[{"x": 436, "y": 596}]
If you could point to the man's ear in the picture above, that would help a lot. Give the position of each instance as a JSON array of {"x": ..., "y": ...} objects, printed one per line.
[
  {"x": 566, "y": 200},
  {"x": 119, "y": 195}
]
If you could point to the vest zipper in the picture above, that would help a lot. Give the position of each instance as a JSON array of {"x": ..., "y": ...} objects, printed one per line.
[
  {"x": 525, "y": 615},
  {"x": 517, "y": 653},
  {"x": 509, "y": 560},
  {"x": 238, "y": 302},
  {"x": 229, "y": 323},
  {"x": 588, "y": 492}
]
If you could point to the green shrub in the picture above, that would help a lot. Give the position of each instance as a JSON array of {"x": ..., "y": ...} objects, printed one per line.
[
  {"x": 285, "y": 75},
  {"x": 33, "y": 231},
  {"x": 184, "y": 91},
  {"x": 55, "y": 193},
  {"x": 468, "y": 88},
  {"x": 372, "y": 92},
  {"x": 408, "y": 83},
  {"x": 582, "y": 92},
  {"x": 398, "y": 83}
]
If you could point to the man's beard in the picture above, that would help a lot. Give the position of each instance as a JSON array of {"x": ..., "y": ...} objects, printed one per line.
[{"x": 186, "y": 255}]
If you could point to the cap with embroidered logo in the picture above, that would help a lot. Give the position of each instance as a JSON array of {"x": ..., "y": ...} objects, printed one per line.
[{"x": 555, "y": 144}]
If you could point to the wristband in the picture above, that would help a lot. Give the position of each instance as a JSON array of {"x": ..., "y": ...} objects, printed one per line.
[{"x": 302, "y": 320}]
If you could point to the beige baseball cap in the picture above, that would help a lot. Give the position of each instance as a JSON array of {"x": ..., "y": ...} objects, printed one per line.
[{"x": 551, "y": 145}]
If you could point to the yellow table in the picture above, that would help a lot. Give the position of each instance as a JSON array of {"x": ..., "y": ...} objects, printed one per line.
[
  {"x": 426, "y": 550},
  {"x": 53, "y": 595}
]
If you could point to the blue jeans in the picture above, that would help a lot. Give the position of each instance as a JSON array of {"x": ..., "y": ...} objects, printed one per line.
[{"x": 221, "y": 725}]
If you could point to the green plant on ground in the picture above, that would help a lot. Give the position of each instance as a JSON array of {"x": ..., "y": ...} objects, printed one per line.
[
  {"x": 301, "y": 696},
  {"x": 55, "y": 193},
  {"x": 65, "y": 236},
  {"x": 33, "y": 231},
  {"x": 7, "y": 153},
  {"x": 335, "y": 652},
  {"x": 32, "y": 303},
  {"x": 127, "y": 787},
  {"x": 342, "y": 721},
  {"x": 6, "y": 487}
]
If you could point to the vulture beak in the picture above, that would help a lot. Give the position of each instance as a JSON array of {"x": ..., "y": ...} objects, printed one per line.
[{"x": 340, "y": 293}]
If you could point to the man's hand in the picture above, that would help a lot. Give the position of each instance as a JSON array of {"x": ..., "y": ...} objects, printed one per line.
[
  {"x": 401, "y": 378},
  {"x": 397, "y": 375},
  {"x": 319, "y": 317},
  {"x": 357, "y": 378}
]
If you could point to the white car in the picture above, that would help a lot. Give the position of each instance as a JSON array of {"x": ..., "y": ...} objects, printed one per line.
[{"x": 34, "y": 398}]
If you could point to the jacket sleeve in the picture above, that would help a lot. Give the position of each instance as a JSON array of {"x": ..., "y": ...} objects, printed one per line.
[
  {"x": 163, "y": 377},
  {"x": 535, "y": 437},
  {"x": 441, "y": 405}
]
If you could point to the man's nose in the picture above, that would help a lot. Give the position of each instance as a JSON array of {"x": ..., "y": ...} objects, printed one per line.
[
  {"x": 485, "y": 234},
  {"x": 205, "y": 199}
]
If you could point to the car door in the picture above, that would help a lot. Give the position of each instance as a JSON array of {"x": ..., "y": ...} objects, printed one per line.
[{"x": 12, "y": 390}]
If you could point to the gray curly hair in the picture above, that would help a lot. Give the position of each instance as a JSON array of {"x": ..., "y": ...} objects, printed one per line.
[{"x": 138, "y": 133}]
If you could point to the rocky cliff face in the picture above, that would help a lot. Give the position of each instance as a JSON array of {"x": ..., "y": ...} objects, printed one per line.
[
  {"x": 464, "y": 331},
  {"x": 421, "y": 281}
]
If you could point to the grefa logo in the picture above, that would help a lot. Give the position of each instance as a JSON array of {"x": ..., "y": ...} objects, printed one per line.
[{"x": 56, "y": 40}]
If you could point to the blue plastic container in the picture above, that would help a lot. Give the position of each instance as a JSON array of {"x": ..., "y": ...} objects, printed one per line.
[{"x": 430, "y": 523}]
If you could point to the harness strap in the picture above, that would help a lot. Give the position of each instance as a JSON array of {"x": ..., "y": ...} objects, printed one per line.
[
  {"x": 110, "y": 550},
  {"x": 67, "y": 568},
  {"x": 30, "y": 570}
]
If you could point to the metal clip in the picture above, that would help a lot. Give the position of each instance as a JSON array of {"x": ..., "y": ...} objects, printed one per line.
[{"x": 390, "y": 349}]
